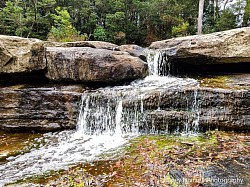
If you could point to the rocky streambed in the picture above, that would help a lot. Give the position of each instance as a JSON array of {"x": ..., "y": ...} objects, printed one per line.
[{"x": 211, "y": 159}]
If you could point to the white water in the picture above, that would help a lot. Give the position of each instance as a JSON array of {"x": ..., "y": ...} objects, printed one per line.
[{"x": 105, "y": 123}]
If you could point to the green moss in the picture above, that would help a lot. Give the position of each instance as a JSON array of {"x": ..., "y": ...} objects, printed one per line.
[
  {"x": 223, "y": 81},
  {"x": 215, "y": 82}
]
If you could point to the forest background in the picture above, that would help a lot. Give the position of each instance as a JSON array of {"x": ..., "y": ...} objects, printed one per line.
[{"x": 118, "y": 21}]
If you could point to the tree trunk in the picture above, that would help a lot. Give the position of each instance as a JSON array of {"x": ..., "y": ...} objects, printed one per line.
[
  {"x": 216, "y": 9},
  {"x": 200, "y": 16},
  {"x": 246, "y": 17}
]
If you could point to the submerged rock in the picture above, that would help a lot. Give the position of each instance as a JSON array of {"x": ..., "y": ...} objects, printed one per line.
[
  {"x": 43, "y": 108},
  {"x": 92, "y": 65},
  {"x": 21, "y": 55}
]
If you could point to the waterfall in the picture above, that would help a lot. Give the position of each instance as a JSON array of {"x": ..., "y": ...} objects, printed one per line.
[
  {"x": 103, "y": 113},
  {"x": 160, "y": 66},
  {"x": 108, "y": 118},
  {"x": 158, "y": 63},
  {"x": 118, "y": 118},
  {"x": 191, "y": 127},
  {"x": 120, "y": 110}
]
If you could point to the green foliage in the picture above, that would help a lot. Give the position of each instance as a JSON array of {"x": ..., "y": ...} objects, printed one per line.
[
  {"x": 118, "y": 21},
  {"x": 246, "y": 17},
  {"x": 225, "y": 21},
  {"x": 180, "y": 30},
  {"x": 12, "y": 19},
  {"x": 115, "y": 25},
  {"x": 100, "y": 34},
  {"x": 63, "y": 31},
  {"x": 26, "y": 18}
]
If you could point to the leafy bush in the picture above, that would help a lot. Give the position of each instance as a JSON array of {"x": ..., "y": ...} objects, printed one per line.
[
  {"x": 63, "y": 31},
  {"x": 100, "y": 34},
  {"x": 181, "y": 29}
]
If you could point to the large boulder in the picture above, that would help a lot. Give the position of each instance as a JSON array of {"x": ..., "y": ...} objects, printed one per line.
[
  {"x": 230, "y": 46},
  {"x": 39, "y": 108},
  {"x": 84, "y": 64},
  {"x": 18, "y": 55}
]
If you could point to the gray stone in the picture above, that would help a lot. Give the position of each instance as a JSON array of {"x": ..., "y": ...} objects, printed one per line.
[
  {"x": 84, "y": 64},
  {"x": 231, "y": 46},
  {"x": 134, "y": 50},
  {"x": 92, "y": 44},
  {"x": 43, "y": 108}
]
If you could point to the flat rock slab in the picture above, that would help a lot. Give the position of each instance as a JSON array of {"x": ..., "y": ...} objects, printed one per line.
[
  {"x": 92, "y": 44},
  {"x": 230, "y": 46},
  {"x": 43, "y": 108},
  {"x": 84, "y": 64}
]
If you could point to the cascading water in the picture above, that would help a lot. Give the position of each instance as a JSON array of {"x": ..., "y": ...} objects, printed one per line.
[
  {"x": 158, "y": 62},
  {"x": 108, "y": 118}
]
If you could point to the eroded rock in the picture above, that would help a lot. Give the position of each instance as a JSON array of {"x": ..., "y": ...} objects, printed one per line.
[
  {"x": 209, "y": 108},
  {"x": 44, "y": 108},
  {"x": 134, "y": 50},
  {"x": 18, "y": 55}
]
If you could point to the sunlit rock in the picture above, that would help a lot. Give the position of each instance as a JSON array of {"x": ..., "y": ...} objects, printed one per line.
[
  {"x": 21, "y": 55},
  {"x": 133, "y": 50}
]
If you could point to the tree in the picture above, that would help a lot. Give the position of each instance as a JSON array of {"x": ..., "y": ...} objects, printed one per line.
[
  {"x": 63, "y": 31},
  {"x": 200, "y": 16},
  {"x": 12, "y": 19},
  {"x": 225, "y": 21},
  {"x": 119, "y": 21},
  {"x": 246, "y": 17},
  {"x": 115, "y": 26},
  {"x": 100, "y": 34}
]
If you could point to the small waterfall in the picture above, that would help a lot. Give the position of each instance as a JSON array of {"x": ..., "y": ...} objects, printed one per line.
[
  {"x": 103, "y": 113},
  {"x": 158, "y": 63},
  {"x": 108, "y": 118},
  {"x": 118, "y": 118},
  {"x": 191, "y": 127},
  {"x": 160, "y": 66}
]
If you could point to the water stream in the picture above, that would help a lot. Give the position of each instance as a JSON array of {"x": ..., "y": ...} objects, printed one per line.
[{"x": 108, "y": 118}]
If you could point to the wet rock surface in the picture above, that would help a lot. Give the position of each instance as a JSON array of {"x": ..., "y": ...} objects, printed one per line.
[
  {"x": 182, "y": 108},
  {"x": 92, "y": 65},
  {"x": 39, "y": 108},
  {"x": 214, "y": 159},
  {"x": 222, "y": 103},
  {"x": 206, "y": 107}
]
